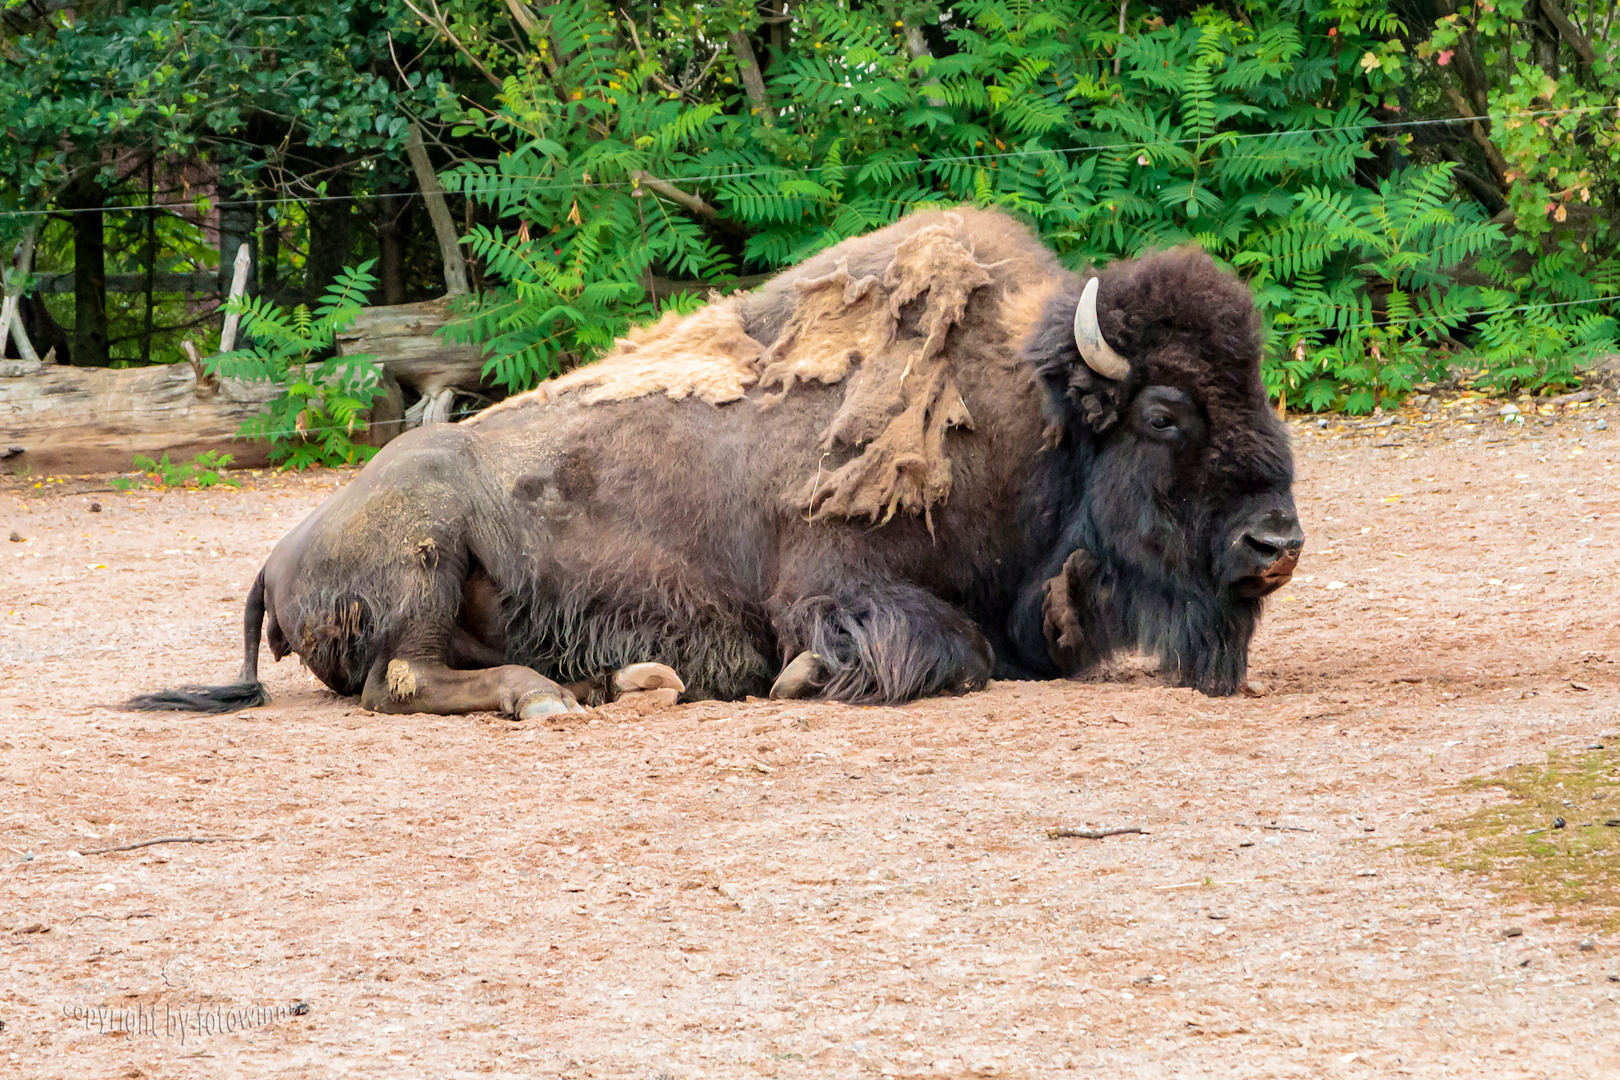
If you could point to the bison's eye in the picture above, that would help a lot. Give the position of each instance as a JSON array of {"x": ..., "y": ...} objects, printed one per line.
[{"x": 1167, "y": 415}]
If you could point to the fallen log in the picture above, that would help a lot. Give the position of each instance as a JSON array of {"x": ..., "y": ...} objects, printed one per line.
[
  {"x": 82, "y": 420},
  {"x": 56, "y": 419},
  {"x": 405, "y": 339}
]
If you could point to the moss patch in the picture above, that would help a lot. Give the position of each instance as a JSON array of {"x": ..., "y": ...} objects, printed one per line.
[{"x": 1515, "y": 846}]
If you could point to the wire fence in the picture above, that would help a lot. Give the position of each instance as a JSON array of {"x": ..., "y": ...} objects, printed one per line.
[
  {"x": 1370, "y": 127},
  {"x": 1293, "y": 332}
]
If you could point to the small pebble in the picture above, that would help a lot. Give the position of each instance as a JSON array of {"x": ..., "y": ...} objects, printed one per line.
[
  {"x": 95, "y": 508},
  {"x": 1588, "y": 945},
  {"x": 16, "y": 537},
  {"x": 1558, "y": 823},
  {"x": 1513, "y": 931},
  {"x": 1601, "y": 425},
  {"x": 1366, "y": 873}
]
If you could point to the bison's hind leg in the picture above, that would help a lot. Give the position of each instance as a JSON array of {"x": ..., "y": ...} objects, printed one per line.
[
  {"x": 885, "y": 644},
  {"x": 646, "y": 683}
]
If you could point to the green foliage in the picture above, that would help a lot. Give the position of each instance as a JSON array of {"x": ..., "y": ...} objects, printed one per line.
[
  {"x": 202, "y": 471},
  {"x": 1553, "y": 124},
  {"x": 620, "y": 160},
  {"x": 184, "y": 79},
  {"x": 322, "y": 397},
  {"x": 1322, "y": 267},
  {"x": 1240, "y": 134}
]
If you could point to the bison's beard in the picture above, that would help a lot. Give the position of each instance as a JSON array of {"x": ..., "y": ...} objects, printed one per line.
[{"x": 1199, "y": 631}]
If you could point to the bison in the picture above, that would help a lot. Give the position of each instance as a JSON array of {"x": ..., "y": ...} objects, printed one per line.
[{"x": 923, "y": 458}]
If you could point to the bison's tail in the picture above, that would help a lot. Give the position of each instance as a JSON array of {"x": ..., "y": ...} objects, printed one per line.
[
  {"x": 207, "y": 699},
  {"x": 245, "y": 693}
]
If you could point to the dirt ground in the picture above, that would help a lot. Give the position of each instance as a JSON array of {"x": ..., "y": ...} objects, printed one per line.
[{"x": 809, "y": 890}]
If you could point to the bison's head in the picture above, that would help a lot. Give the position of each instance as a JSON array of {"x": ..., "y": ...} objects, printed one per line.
[{"x": 1184, "y": 511}]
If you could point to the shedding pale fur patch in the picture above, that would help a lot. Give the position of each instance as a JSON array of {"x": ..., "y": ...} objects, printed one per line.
[
  {"x": 707, "y": 354},
  {"x": 830, "y": 329},
  {"x": 401, "y": 680},
  {"x": 904, "y": 400}
]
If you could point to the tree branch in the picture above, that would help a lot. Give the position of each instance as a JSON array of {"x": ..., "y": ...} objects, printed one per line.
[
  {"x": 753, "y": 81},
  {"x": 522, "y": 16},
  {"x": 1493, "y": 156},
  {"x": 1569, "y": 30},
  {"x": 10, "y": 317},
  {"x": 674, "y": 194},
  {"x": 438, "y": 24},
  {"x": 455, "y": 266}
]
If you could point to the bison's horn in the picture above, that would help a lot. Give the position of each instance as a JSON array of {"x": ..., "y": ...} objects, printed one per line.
[{"x": 1094, "y": 349}]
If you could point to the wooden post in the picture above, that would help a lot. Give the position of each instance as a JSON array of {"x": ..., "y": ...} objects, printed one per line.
[
  {"x": 10, "y": 318},
  {"x": 239, "y": 280},
  {"x": 455, "y": 266}
]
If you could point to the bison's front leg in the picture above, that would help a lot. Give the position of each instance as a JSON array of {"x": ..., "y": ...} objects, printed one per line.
[
  {"x": 1072, "y": 616},
  {"x": 422, "y": 686}
]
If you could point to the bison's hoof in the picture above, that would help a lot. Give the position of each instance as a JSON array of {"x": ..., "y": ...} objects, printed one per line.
[
  {"x": 642, "y": 677},
  {"x": 800, "y": 678},
  {"x": 532, "y": 706}
]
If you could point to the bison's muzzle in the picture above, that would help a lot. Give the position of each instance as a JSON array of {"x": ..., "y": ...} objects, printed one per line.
[{"x": 1264, "y": 553}]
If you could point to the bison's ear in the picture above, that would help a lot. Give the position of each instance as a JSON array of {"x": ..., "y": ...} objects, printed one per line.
[
  {"x": 1180, "y": 296},
  {"x": 1074, "y": 395}
]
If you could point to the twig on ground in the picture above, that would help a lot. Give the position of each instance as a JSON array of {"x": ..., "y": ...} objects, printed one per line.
[
  {"x": 1275, "y": 828},
  {"x": 1058, "y": 832},
  {"x": 110, "y": 918},
  {"x": 169, "y": 840},
  {"x": 1206, "y": 882}
]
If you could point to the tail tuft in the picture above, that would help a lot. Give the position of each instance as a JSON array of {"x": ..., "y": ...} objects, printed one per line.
[{"x": 204, "y": 699}]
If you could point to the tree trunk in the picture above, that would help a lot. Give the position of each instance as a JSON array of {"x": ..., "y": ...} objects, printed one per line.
[
  {"x": 1543, "y": 39},
  {"x": 86, "y": 197},
  {"x": 394, "y": 221},
  {"x": 94, "y": 421},
  {"x": 235, "y": 229},
  {"x": 331, "y": 237},
  {"x": 455, "y": 265}
]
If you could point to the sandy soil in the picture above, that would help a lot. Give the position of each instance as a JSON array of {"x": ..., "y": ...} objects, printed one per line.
[{"x": 758, "y": 889}]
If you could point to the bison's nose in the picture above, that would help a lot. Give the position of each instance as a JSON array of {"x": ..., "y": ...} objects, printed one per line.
[
  {"x": 1267, "y": 552},
  {"x": 1277, "y": 552}
]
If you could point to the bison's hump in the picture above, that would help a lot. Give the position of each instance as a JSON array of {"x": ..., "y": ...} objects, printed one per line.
[{"x": 907, "y": 306}]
